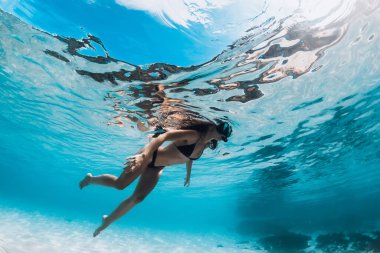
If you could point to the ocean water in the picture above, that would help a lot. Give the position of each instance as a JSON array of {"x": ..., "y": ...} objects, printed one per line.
[{"x": 300, "y": 173}]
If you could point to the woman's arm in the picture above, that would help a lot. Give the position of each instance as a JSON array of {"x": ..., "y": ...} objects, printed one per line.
[
  {"x": 189, "y": 165},
  {"x": 145, "y": 156},
  {"x": 175, "y": 135}
]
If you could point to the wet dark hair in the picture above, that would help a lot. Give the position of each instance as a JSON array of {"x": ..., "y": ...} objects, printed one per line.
[
  {"x": 224, "y": 129},
  {"x": 189, "y": 120}
]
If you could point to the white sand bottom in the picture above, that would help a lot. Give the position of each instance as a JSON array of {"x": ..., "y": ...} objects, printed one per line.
[{"x": 22, "y": 232}]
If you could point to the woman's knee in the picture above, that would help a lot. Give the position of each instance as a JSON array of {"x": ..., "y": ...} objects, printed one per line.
[
  {"x": 120, "y": 185},
  {"x": 138, "y": 198}
]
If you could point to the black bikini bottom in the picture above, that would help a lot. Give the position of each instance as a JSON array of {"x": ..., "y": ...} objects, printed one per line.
[{"x": 151, "y": 164}]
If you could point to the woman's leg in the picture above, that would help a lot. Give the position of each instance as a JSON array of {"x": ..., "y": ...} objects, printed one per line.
[
  {"x": 125, "y": 179},
  {"x": 129, "y": 174},
  {"x": 147, "y": 182}
]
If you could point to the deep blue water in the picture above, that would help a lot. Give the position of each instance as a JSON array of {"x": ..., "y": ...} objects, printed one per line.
[{"x": 300, "y": 174}]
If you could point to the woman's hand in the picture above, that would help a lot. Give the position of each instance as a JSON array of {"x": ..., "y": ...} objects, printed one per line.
[
  {"x": 187, "y": 182},
  {"x": 134, "y": 162},
  {"x": 189, "y": 164}
]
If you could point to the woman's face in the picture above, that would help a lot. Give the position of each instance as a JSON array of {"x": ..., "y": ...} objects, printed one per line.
[
  {"x": 221, "y": 137},
  {"x": 224, "y": 131},
  {"x": 217, "y": 136}
]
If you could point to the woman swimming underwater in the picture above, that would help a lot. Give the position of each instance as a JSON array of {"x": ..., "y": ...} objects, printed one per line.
[{"x": 186, "y": 145}]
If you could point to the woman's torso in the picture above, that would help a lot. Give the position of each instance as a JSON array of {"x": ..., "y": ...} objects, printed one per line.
[{"x": 174, "y": 152}]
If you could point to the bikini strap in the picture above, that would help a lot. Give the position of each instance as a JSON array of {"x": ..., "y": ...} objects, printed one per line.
[{"x": 154, "y": 156}]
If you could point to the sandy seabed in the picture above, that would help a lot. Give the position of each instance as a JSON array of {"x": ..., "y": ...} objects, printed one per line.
[{"x": 32, "y": 232}]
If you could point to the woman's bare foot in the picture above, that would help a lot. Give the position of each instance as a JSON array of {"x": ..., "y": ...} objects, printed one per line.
[
  {"x": 101, "y": 227},
  {"x": 85, "y": 181}
]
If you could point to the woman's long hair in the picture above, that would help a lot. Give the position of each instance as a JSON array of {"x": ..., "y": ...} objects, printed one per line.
[{"x": 184, "y": 119}]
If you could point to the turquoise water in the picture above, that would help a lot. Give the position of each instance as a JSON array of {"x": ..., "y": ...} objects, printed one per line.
[{"x": 300, "y": 173}]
